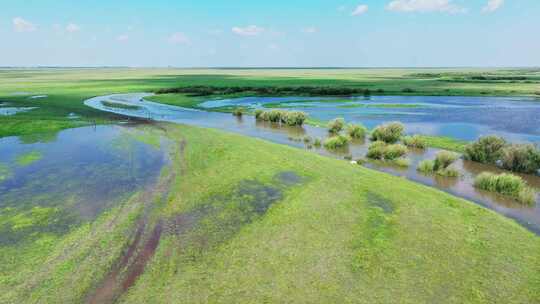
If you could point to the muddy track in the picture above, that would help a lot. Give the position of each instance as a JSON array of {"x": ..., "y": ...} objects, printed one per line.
[{"x": 145, "y": 241}]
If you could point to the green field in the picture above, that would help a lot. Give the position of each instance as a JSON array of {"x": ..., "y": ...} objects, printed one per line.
[{"x": 240, "y": 220}]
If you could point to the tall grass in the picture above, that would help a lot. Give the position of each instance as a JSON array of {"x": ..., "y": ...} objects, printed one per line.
[
  {"x": 521, "y": 158},
  {"x": 440, "y": 165},
  {"x": 238, "y": 112},
  {"x": 506, "y": 184},
  {"x": 336, "y": 125},
  {"x": 382, "y": 151},
  {"x": 336, "y": 142},
  {"x": 485, "y": 150},
  {"x": 290, "y": 118},
  {"x": 415, "y": 141},
  {"x": 357, "y": 131},
  {"x": 388, "y": 133}
]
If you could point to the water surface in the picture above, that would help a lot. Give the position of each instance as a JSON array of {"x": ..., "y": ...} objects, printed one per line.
[
  {"x": 528, "y": 216},
  {"x": 467, "y": 118}
]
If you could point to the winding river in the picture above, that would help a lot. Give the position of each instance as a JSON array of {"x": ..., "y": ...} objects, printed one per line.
[{"x": 137, "y": 106}]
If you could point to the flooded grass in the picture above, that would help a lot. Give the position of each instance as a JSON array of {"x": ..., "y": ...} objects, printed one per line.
[{"x": 29, "y": 158}]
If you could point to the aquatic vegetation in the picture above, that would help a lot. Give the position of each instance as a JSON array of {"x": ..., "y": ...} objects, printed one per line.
[
  {"x": 258, "y": 113},
  {"x": 29, "y": 158},
  {"x": 317, "y": 142},
  {"x": 443, "y": 142},
  {"x": 307, "y": 139},
  {"x": 290, "y": 118},
  {"x": 5, "y": 172},
  {"x": 382, "y": 105},
  {"x": 394, "y": 151},
  {"x": 415, "y": 141},
  {"x": 335, "y": 142},
  {"x": 389, "y": 133},
  {"x": 524, "y": 158},
  {"x": 487, "y": 149},
  {"x": 402, "y": 162},
  {"x": 443, "y": 159},
  {"x": 238, "y": 112},
  {"x": 118, "y": 105},
  {"x": 506, "y": 184},
  {"x": 357, "y": 131},
  {"x": 441, "y": 165},
  {"x": 336, "y": 125},
  {"x": 376, "y": 150}
]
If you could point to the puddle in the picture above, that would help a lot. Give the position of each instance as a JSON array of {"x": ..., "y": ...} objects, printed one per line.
[
  {"x": 528, "y": 216},
  {"x": 8, "y": 111},
  {"x": 38, "y": 96},
  {"x": 58, "y": 184}
]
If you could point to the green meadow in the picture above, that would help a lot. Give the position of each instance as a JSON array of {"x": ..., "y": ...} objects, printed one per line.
[{"x": 234, "y": 219}]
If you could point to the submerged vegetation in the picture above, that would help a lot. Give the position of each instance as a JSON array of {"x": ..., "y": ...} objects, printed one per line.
[
  {"x": 29, "y": 158},
  {"x": 506, "y": 184}
]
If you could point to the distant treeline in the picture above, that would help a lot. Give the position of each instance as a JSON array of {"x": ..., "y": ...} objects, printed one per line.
[{"x": 301, "y": 90}]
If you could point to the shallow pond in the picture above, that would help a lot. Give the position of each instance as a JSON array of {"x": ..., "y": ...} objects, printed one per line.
[
  {"x": 466, "y": 118},
  {"x": 529, "y": 216},
  {"x": 50, "y": 184}
]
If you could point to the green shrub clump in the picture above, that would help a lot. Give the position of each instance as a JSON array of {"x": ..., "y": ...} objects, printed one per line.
[
  {"x": 336, "y": 142},
  {"x": 415, "y": 141},
  {"x": 521, "y": 158},
  {"x": 317, "y": 142},
  {"x": 238, "y": 112},
  {"x": 506, "y": 184},
  {"x": 395, "y": 151},
  {"x": 357, "y": 131},
  {"x": 336, "y": 125},
  {"x": 441, "y": 165},
  {"x": 376, "y": 150},
  {"x": 388, "y": 133},
  {"x": 291, "y": 118},
  {"x": 487, "y": 149}
]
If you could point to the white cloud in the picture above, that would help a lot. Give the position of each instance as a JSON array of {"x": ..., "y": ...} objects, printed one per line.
[
  {"x": 122, "y": 38},
  {"x": 492, "y": 6},
  {"x": 309, "y": 30},
  {"x": 72, "y": 28},
  {"x": 445, "y": 6},
  {"x": 20, "y": 25},
  {"x": 251, "y": 30},
  {"x": 179, "y": 38},
  {"x": 359, "y": 10}
]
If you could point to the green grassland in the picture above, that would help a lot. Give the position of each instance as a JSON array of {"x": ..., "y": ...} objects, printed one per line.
[
  {"x": 66, "y": 89},
  {"x": 250, "y": 221}
]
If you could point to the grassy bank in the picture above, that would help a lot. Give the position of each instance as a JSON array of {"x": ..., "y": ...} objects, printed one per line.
[{"x": 251, "y": 221}]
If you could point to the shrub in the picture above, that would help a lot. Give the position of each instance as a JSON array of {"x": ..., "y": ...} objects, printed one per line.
[
  {"x": 317, "y": 142},
  {"x": 336, "y": 142},
  {"x": 486, "y": 149},
  {"x": 448, "y": 172},
  {"x": 376, "y": 150},
  {"x": 294, "y": 118},
  {"x": 356, "y": 131},
  {"x": 307, "y": 139},
  {"x": 415, "y": 141},
  {"x": 238, "y": 112},
  {"x": 389, "y": 133},
  {"x": 402, "y": 162},
  {"x": 521, "y": 158},
  {"x": 392, "y": 152},
  {"x": 426, "y": 166},
  {"x": 443, "y": 159},
  {"x": 258, "y": 113},
  {"x": 506, "y": 184},
  {"x": 335, "y": 126}
]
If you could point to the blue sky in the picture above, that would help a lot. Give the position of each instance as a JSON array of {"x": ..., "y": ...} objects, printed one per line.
[{"x": 368, "y": 33}]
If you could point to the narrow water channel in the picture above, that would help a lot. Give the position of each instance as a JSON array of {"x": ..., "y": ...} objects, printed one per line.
[{"x": 137, "y": 106}]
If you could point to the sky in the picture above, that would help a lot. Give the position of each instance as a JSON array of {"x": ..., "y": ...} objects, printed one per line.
[{"x": 277, "y": 33}]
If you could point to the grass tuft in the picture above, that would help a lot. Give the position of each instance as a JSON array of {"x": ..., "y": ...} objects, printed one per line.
[
  {"x": 388, "y": 133},
  {"x": 506, "y": 184}
]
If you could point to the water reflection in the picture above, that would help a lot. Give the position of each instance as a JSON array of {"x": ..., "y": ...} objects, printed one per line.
[
  {"x": 293, "y": 136},
  {"x": 80, "y": 173}
]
